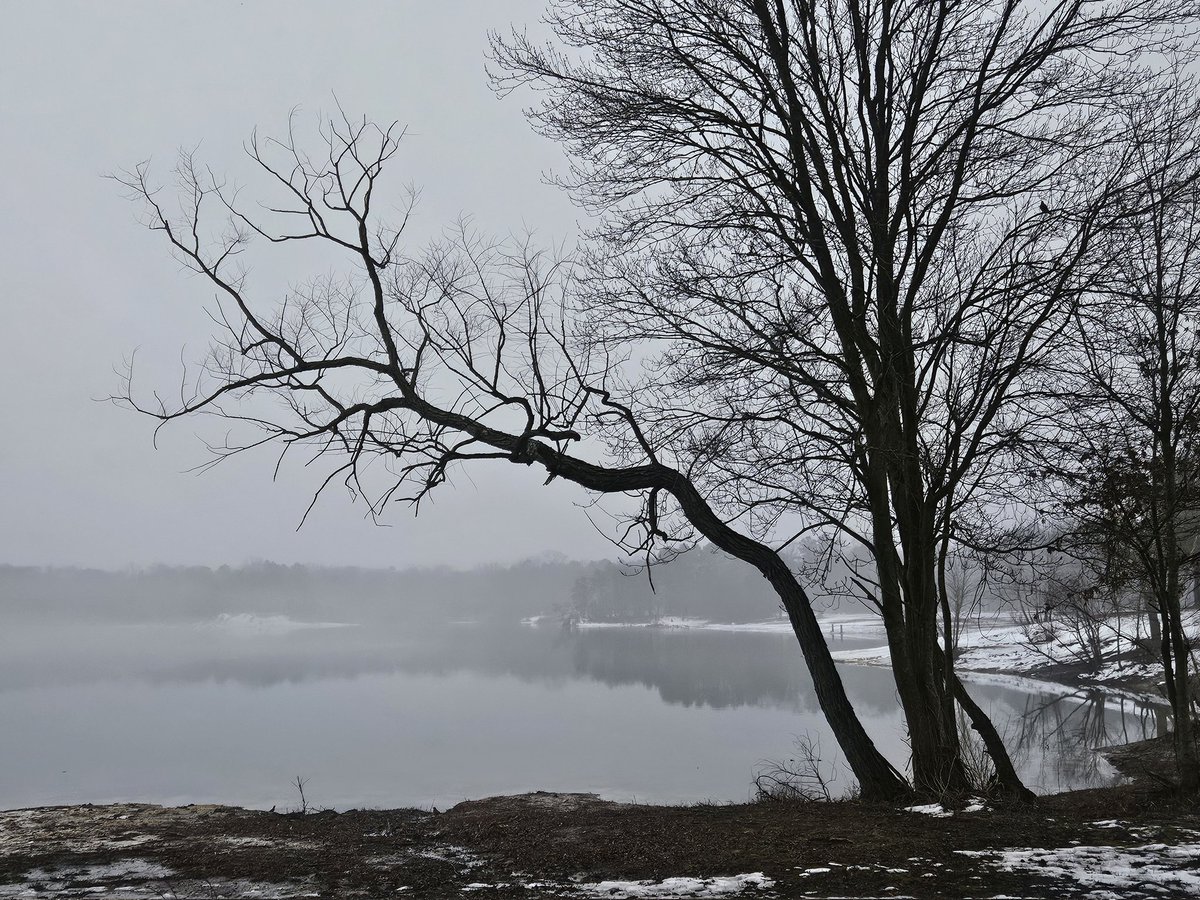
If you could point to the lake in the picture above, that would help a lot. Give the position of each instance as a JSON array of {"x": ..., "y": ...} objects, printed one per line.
[{"x": 234, "y": 710}]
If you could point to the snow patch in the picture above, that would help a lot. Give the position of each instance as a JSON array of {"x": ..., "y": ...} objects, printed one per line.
[
  {"x": 771, "y": 626},
  {"x": 930, "y": 809},
  {"x": 141, "y": 869},
  {"x": 130, "y": 876},
  {"x": 1026, "y": 648},
  {"x": 679, "y": 887},
  {"x": 662, "y": 622},
  {"x": 999, "y": 651},
  {"x": 1108, "y": 872},
  {"x": 854, "y": 625},
  {"x": 459, "y": 856}
]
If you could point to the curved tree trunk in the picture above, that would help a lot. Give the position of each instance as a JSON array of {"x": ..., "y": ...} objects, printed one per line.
[
  {"x": 1006, "y": 776},
  {"x": 877, "y": 778}
]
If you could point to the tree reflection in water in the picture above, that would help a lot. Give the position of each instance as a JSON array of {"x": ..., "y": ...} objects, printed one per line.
[
  {"x": 1056, "y": 736},
  {"x": 1053, "y": 734}
]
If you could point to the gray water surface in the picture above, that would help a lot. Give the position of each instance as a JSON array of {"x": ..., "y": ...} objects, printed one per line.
[{"x": 232, "y": 712}]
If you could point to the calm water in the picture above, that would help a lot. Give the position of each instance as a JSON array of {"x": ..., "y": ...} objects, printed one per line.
[{"x": 370, "y": 717}]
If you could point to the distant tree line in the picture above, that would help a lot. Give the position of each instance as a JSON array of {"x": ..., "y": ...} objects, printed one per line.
[{"x": 702, "y": 585}]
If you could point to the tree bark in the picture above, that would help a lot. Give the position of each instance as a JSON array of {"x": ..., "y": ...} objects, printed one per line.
[
  {"x": 1187, "y": 759},
  {"x": 910, "y": 604},
  {"x": 1006, "y": 775}
]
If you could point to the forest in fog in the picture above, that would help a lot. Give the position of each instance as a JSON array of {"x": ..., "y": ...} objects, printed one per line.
[{"x": 702, "y": 584}]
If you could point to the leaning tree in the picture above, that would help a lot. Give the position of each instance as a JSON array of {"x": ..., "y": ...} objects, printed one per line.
[
  {"x": 838, "y": 243},
  {"x": 854, "y": 232},
  {"x": 415, "y": 362}
]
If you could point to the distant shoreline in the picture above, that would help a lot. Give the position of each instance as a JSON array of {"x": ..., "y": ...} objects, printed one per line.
[{"x": 994, "y": 650}]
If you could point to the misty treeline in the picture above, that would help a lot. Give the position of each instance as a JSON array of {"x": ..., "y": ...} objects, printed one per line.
[
  {"x": 914, "y": 276},
  {"x": 704, "y": 584},
  {"x": 304, "y": 593}
]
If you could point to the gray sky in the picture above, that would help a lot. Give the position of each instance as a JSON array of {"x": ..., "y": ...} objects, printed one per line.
[{"x": 88, "y": 88}]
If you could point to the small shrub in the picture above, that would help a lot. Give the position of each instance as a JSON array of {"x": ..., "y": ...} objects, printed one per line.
[{"x": 802, "y": 777}]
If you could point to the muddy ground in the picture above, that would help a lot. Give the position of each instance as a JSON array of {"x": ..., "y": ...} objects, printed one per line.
[{"x": 540, "y": 845}]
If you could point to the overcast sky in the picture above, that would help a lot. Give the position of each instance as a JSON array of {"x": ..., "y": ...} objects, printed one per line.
[{"x": 89, "y": 88}]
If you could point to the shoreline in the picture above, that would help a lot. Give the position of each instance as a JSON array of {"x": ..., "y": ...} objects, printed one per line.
[
  {"x": 1126, "y": 840},
  {"x": 994, "y": 650}
]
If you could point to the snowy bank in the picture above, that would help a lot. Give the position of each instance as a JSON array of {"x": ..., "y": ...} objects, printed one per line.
[
  {"x": 1053, "y": 656},
  {"x": 836, "y": 625}
]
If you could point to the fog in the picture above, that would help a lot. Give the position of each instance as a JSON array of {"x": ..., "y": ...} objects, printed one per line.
[{"x": 92, "y": 89}]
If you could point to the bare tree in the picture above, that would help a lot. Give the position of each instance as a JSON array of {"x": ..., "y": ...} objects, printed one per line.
[
  {"x": 415, "y": 363},
  {"x": 855, "y": 230},
  {"x": 845, "y": 240},
  {"x": 1136, "y": 434}
]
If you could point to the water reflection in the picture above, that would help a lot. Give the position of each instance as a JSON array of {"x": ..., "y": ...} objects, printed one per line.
[
  {"x": 404, "y": 714},
  {"x": 1056, "y": 736},
  {"x": 692, "y": 668}
]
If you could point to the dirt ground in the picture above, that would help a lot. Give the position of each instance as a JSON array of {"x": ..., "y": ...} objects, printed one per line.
[{"x": 541, "y": 845}]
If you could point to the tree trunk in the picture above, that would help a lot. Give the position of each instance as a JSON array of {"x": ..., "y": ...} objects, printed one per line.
[
  {"x": 936, "y": 750},
  {"x": 909, "y": 603},
  {"x": 877, "y": 778},
  {"x": 1187, "y": 759},
  {"x": 1155, "y": 623},
  {"x": 1006, "y": 775}
]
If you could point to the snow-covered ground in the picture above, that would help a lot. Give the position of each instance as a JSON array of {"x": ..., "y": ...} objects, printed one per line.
[
  {"x": 678, "y": 887},
  {"x": 1106, "y": 872},
  {"x": 1001, "y": 651},
  {"x": 1028, "y": 648},
  {"x": 142, "y": 851}
]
